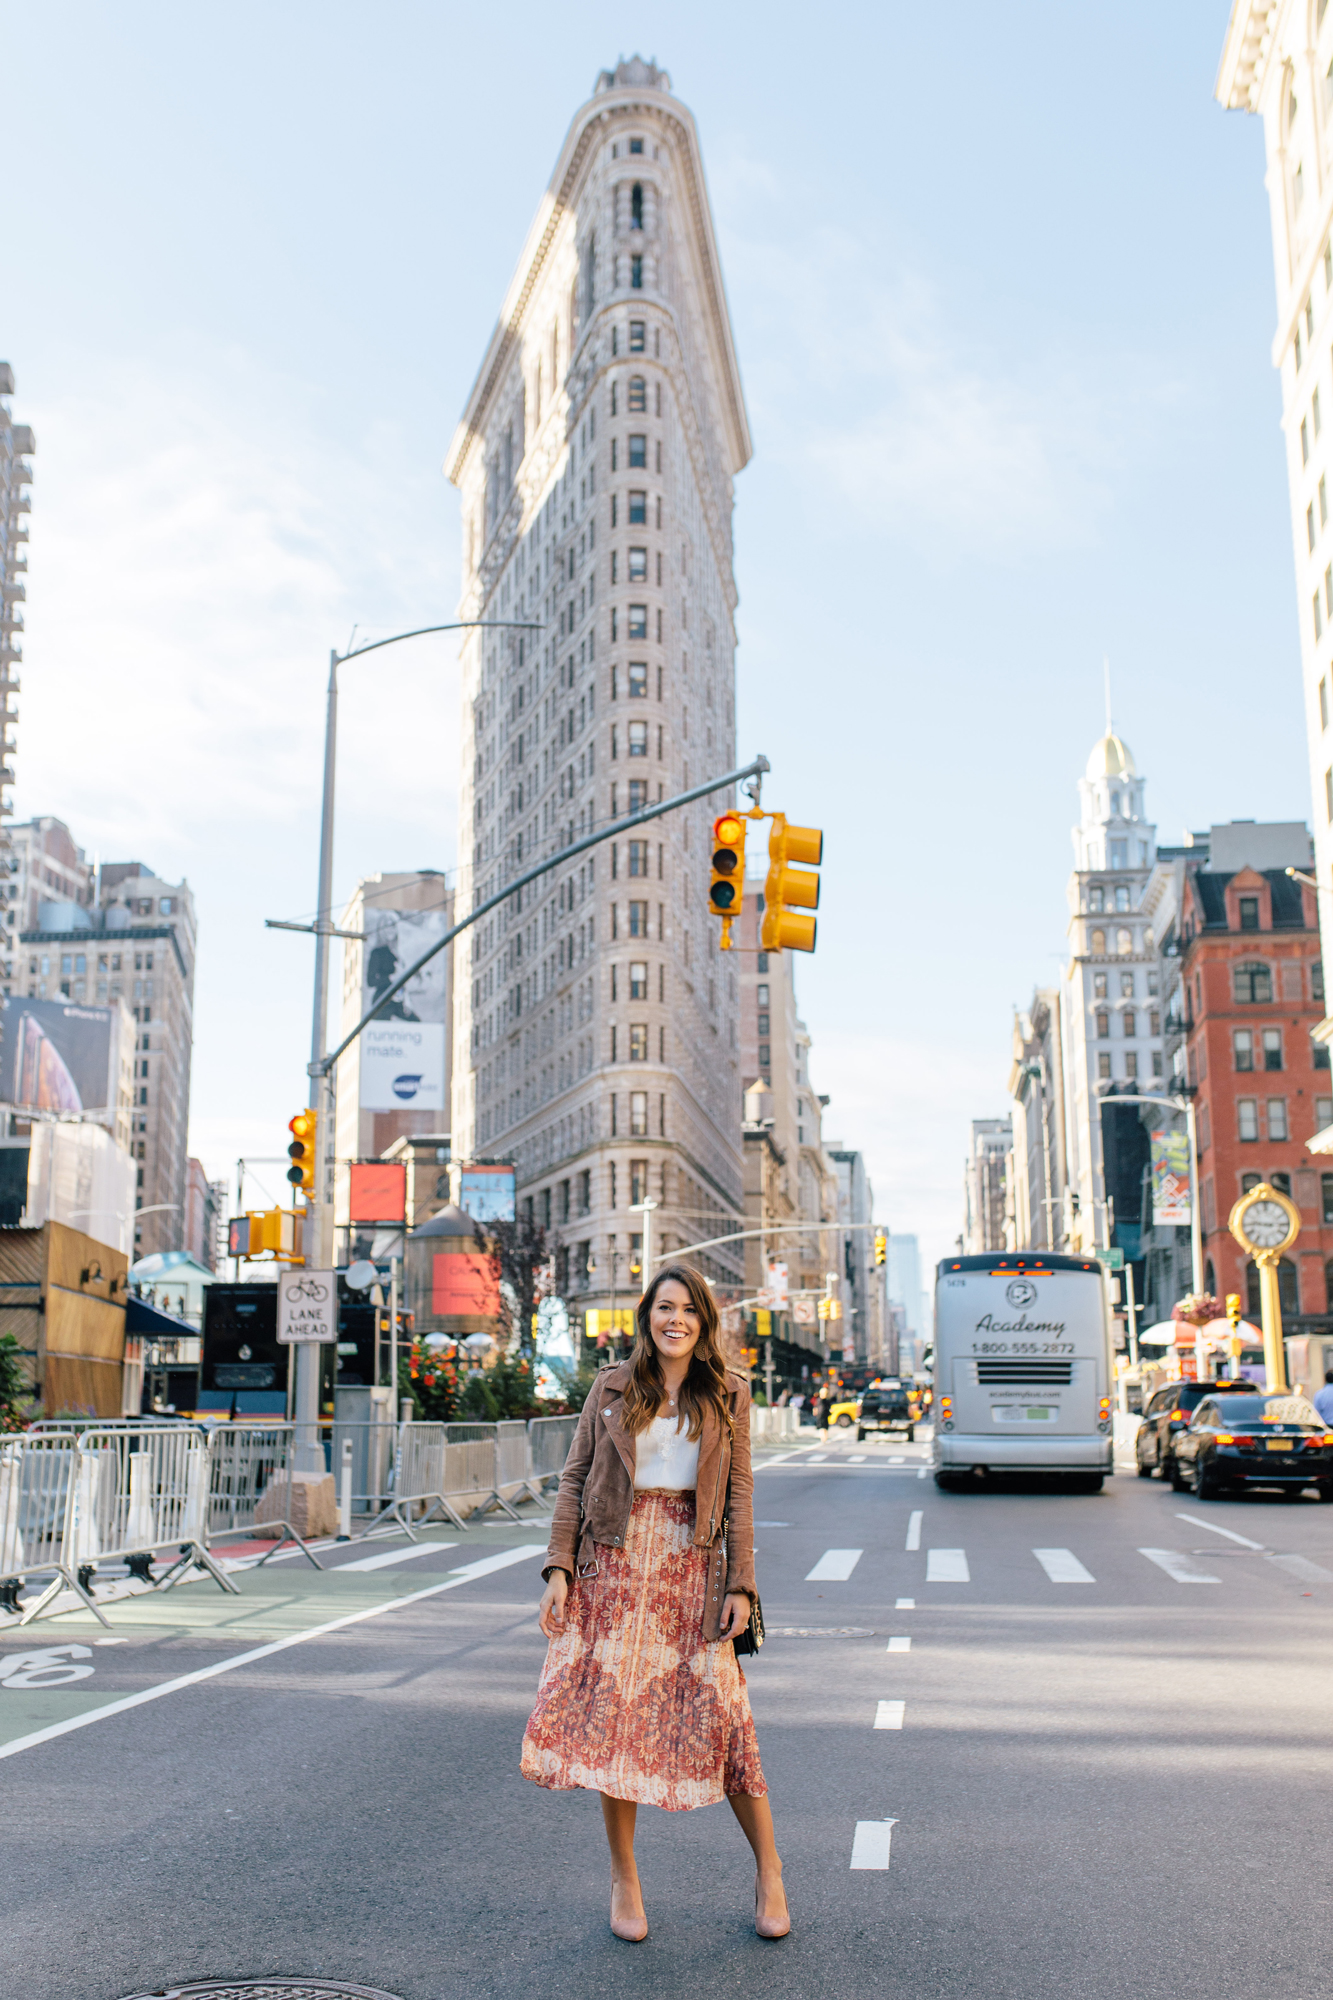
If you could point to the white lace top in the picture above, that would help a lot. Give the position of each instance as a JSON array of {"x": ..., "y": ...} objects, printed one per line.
[{"x": 665, "y": 1456}]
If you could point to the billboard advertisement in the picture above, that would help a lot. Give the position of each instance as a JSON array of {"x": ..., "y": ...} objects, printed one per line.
[
  {"x": 403, "y": 1050},
  {"x": 57, "y": 1056},
  {"x": 487, "y": 1193},
  {"x": 1171, "y": 1178}
]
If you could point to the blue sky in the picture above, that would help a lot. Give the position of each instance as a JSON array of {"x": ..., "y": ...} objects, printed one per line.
[{"x": 1002, "y": 291}]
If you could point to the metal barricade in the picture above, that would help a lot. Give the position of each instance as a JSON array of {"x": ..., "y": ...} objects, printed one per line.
[
  {"x": 437, "y": 1464},
  {"x": 37, "y": 1482},
  {"x": 373, "y": 1449},
  {"x": 246, "y": 1458},
  {"x": 135, "y": 1493},
  {"x": 549, "y": 1439},
  {"x": 513, "y": 1461}
]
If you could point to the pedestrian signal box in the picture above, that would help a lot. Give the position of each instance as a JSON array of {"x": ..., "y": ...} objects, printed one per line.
[
  {"x": 791, "y": 891},
  {"x": 727, "y": 885}
]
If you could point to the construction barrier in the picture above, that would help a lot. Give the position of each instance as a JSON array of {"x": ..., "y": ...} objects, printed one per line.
[
  {"x": 246, "y": 1458},
  {"x": 780, "y": 1421},
  {"x": 549, "y": 1439},
  {"x": 37, "y": 1480}
]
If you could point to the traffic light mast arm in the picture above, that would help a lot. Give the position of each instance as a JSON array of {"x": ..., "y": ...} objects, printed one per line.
[
  {"x": 617, "y": 827},
  {"x": 773, "y": 1229}
]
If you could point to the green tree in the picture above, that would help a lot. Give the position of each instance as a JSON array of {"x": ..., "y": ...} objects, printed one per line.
[{"x": 15, "y": 1392}]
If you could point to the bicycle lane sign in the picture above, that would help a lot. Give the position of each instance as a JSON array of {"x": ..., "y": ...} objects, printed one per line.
[{"x": 307, "y": 1306}]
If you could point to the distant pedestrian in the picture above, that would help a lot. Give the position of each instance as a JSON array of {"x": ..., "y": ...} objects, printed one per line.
[
  {"x": 1323, "y": 1402},
  {"x": 647, "y": 1583},
  {"x": 822, "y": 1402}
]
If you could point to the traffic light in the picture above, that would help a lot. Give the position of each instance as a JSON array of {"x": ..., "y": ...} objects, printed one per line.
[
  {"x": 727, "y": 885},
  {"x": 1233, "y": 1309},
  {"x": 301, "y": 1173},
  {"x": 789, "y": 892},
  {"x": 881, "y": 1247}
]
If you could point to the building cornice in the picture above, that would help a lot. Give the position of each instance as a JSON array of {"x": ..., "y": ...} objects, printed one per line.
[
  {"x": 590, "y": 123},
  {"x": 1250, "y": 36}
]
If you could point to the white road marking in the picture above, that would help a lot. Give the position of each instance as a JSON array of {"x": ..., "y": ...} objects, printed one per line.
[
  {"x": 899, "y": 1646},
  {"x": 947, "y": 1566},
  {"x": 397, "y": 1555},
  {"x": 897, "y": 1461},
  {"x": 1213, "y": 1529},
  {"x": 904, "y": 1604},
  {"x": 889, "y": 1714},
  {"x": 1302, "y": 1567},
  {"x": 870, "y": 1843},
  {"x": 924, "y": 1473},
  {"x": 450, "y": 1582},
  {"x": 1063, "y": 1566},
  {"x": 818, "y": 1458},
  {"x": 1177, "y": 1566},
  {"x": 857, "y": 1458},
  {"x": 834, "y": 1566},
  {"x": 914, "y": 1529}
]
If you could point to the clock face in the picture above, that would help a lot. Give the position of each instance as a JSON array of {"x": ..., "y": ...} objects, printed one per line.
[{"x": 1266, "y": 1224}]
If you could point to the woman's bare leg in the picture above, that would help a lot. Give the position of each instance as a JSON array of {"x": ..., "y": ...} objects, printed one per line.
[
  {"x": 628, "y": 1919},
  {"x": 771, "y": 1918}
]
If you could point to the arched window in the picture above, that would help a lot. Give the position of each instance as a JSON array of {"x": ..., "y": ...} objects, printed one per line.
[
  {"x": 1253, "y": 981},
  {"x": 1115, "y": 804},
  {"x": 1209, "y": 1281},
  {"x": 638, "y": 394},
  {"x": 1124, "y": 941},
  {"x": 1098, "y": 941},
  {"x": 636, "y": 206}
]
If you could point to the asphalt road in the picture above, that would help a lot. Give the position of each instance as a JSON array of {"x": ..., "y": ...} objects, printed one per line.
[{"x": 1111, "y": 1784}]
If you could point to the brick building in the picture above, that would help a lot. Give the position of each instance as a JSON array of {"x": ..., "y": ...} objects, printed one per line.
[{"x": 1251, "y": 991}]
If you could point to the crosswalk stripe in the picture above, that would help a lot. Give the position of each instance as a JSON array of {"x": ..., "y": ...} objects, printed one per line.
[
  {"x": 914, "y": 1520},
  {"x": 1302, "y": 1568},
  {"x": 834, "y": 1566},
  {"x": 889, "y": 1714},
  {"x": 947, "y": 1566},
  {"x": 1214, "y": 1529},
  {"x": 1180, "y": 1568},
  {"x": 397, "y": 1556},
  {"x": 904, "y": 1604},
  {"x": 857, "y": 1458},
  {"x": 870, "y": 1843},
  {"x": 1063, "y": 1566},
  {"x": 899, "y": 1646}
]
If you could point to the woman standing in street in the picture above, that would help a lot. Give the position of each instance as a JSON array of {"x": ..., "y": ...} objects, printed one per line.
[{"x": 649, "y": 1578}]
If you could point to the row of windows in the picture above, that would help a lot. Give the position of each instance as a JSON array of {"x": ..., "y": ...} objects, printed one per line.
[
  {"x": 1124, "y": 943},
  {"x": 636, "y": 740},
  {"x": 1247, "y": 1118},
  {"x": 638, "y": 980},
  {"x": 1099, "y": 982},
  {"x": 1131, "y": 1065},
  {"x": 73, "y": 963},
  {"x": 1098, "y": 898},
  {"x": 636, "y": 454},
  {"x": 637, "y": 859},
  {"x": 1129, "y": 1025},
  {"x": 636, "y": 397},
  {"x": 636, "y": 566},
  {"x": 636, "y": 623},
  {"x": 636, "y": 682},
  {"x": 636, "y": 508},
  {"x": 638, "y": 1043}
]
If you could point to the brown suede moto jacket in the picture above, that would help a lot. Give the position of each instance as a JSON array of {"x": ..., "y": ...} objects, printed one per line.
[{"x": 597, "y": 1487}]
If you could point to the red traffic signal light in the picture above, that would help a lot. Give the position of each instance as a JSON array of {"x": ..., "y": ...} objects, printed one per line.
[
  {"x": 789, "y": 892},
  {"x": 727, "y": 884}
]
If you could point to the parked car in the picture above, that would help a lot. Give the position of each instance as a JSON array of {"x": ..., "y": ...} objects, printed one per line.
[
  {"x": 844, "y": 1414},
  {"x": 1255, "y": 1440},
  {"x": 1167, "y": 1414},
  {"x": 889, "y": 1405}
]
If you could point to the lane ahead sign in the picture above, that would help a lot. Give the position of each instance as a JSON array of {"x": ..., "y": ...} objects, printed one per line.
[{"x": 307, "y": 1307}]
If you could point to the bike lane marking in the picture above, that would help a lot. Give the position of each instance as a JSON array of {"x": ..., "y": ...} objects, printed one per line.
[{"x": 467, "y": 1574}]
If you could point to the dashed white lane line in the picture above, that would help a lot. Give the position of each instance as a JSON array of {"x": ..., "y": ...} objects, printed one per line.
[
  {"x": 817, "y": 1458},
  {"x": 483, "y": 1567},
  {"x": 397, "y": 1555},
  {"x": 1063, "y": 1566},
  {"x": 870, "y": 1843},
  {"x": 899, "y": 1645},
  {"x": 914, "y": 1529},
  {"x": 904, "y": 1604},
  {"x": 924, "y": 1472},
  {"x": 889, "y": 1714},
  {"x": 858, "y": 1458},
  {"x": 1180, "y": 1568},
  {"x": 834, "y": 1566},
  {"x": 947, "y": 1566},
  {"x": 1213, "y": 1529}
]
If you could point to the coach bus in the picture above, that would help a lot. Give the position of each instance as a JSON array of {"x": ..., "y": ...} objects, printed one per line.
[{"x": 1023, "y": 1379}]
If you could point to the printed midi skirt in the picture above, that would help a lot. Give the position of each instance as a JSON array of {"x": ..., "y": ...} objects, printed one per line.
[{"x": 633, "y": 1700}]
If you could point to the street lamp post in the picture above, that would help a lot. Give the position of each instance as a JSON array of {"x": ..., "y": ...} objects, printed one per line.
[{"x": 308, "y": 1453}]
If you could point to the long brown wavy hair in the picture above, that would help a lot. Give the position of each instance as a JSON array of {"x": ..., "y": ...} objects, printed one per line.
[{"x": 705, "y": 1384}]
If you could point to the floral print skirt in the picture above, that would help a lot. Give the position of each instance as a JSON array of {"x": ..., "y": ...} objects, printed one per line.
[{"x": 633, "y": 1700}]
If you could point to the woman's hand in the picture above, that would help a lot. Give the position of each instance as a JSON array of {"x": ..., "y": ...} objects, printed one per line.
[
  {"x": 551, "y": 1613},
  {"x": 735, "y": 1614}
]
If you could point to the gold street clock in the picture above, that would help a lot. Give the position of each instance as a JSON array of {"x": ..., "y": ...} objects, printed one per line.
[{"x": 1265, "y": 1224}]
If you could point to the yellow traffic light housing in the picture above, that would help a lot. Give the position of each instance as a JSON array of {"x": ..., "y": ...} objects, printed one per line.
[
  {"x": 301, "y": 1173},
  {"x": 790, "y": 891},
  {"x": 1233, "y": 1308},
  {"x": 881, "y": 1247},
  {"x": 727, "y": 886}
]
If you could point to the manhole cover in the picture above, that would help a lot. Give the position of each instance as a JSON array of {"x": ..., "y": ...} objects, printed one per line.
[
  {"x": 264, "y": 1989},
  {"x": 819, "y": 1632}
]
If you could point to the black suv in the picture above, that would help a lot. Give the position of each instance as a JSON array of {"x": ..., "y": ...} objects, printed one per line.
[
  {"x": 887, "y": 1406},
  {"x": 1169, "y": 1411}
]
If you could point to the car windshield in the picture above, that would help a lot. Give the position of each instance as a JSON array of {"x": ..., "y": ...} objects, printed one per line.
[{"x": 1268, "y": 1410}]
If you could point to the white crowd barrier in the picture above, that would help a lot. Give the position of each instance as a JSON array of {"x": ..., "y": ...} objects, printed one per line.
[{"x": 780, "y": 1421}]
